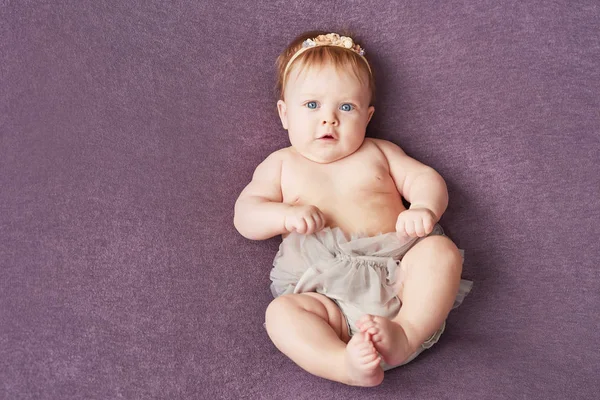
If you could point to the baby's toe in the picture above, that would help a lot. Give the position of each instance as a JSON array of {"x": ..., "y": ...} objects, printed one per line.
[
  {"x": 360, "y": 340},
  {"x": 367, "y": 350},
  {"x": 365, "y": 326},
  {"x": 373, "y": 364},
  {"x": 365, "y": 318},
  {"x": 361, "y": 346},
  {"x": 377, "y": 337},
  {"x": 373, "y": 331},
  {"x": 368, "y": 358}
]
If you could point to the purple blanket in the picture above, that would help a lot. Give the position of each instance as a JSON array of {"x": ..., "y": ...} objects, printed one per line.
[{"x": 128, "y": 128}]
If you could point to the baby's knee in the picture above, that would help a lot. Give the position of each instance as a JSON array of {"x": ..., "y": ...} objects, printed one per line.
[
  {"x": 277, "y": 308},
  {"x": 443, "y": 245},
  {"x": 441, "y": 251}
]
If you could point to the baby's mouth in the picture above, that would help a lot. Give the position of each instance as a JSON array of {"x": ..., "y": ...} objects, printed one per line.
[{"x": 327, "y": 136}]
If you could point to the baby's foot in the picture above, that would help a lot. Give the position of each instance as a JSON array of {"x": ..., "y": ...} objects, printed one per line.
[
  {"x": 362, "y": 362},
  {"x": 387, "y": 336}
]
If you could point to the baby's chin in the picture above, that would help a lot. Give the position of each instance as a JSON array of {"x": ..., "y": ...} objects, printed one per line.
[{"x": 326, "y": 158}]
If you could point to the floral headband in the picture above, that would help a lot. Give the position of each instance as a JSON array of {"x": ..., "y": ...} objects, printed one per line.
[{"x": 331, "y": 39}]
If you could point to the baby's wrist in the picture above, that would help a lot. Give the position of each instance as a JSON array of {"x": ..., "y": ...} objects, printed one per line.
[
  {"x": 287, "y": 214},
  {"x": 424, "y": 207},
  {"x": 417, "y": 206}
]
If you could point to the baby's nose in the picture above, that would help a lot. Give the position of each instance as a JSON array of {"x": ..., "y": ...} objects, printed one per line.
[{"x": 330, "y": 120}]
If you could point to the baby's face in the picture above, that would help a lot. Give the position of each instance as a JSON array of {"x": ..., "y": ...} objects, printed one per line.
[{"x": 326, "y": 112}]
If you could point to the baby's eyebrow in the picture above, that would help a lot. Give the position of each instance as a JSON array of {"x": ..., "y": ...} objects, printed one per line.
[{"x": 342, "y": 97}]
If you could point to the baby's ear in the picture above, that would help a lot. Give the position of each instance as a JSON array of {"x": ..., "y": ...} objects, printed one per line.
[
  {"x": 370, "y": 111},
  {"x": 282, "y": 110}
]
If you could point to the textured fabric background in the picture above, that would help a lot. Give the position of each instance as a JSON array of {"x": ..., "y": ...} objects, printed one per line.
[{"x": 128, "y": 128}]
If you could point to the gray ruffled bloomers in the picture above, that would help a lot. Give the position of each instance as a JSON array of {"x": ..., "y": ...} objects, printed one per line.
[{"x": 358, "y": 274}]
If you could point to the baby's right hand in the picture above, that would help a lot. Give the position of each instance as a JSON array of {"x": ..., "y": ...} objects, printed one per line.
[{"x": 305, "y": 220}]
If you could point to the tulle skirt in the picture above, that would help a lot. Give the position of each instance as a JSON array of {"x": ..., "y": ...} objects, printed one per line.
[{"x": 361, "y": 273}]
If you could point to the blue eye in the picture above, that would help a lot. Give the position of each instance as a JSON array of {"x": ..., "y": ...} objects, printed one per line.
[
  {"x": 312, "y": 105},
  {"x": 346, "y": 107}
]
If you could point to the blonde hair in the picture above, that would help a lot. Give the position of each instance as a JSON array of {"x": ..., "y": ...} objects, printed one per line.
[{"x": 319, "y": 56}]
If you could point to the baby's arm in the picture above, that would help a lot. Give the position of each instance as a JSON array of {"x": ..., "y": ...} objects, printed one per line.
[
  {"x": 259, "y": 211},
  {"x": 421, "y": 185}
]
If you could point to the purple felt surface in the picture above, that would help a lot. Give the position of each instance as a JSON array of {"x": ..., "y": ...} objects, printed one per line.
[{"x": 127, "y": 130}]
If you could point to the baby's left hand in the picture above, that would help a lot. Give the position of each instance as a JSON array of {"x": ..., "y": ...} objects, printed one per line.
[{"x": 415, "y": 222}]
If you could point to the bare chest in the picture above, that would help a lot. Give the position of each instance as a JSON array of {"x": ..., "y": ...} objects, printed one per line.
[
  {"x": 356, "y": 194},
  {"x": 305, "y": 182}
]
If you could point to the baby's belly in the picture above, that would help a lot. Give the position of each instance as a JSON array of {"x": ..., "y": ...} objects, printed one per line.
[{"x": 372, "y": 214}]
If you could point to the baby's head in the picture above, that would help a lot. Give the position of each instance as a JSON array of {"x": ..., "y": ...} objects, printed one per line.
[{"x": 326, "y": 91}]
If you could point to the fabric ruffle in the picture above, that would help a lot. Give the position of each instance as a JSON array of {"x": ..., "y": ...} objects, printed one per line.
[{"x": 360, "y": 274}]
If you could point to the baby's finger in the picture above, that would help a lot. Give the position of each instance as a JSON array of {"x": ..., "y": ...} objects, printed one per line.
[
  {"x": 310, "y": 225},
  {"x": 323, "y": 220},
  {"x": 409, "y": 226},
  {"x": 428, "y": 225},
  {"x": 400, "y": 227},
  {"x": 419, "y": 229},
  {"x": 301, "y": 226},
  {"x": 319, "y": 220}
]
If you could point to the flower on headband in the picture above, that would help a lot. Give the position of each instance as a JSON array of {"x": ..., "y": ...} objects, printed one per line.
[
  {"x": 309, "y": 43},
  {"x": 330, "y": 39},
  {"x": 333, "y": 39}
]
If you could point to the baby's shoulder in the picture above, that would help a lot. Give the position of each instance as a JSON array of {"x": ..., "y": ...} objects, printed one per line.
[
  {"x": 288, "y": 156},
  {"x": 273, "y": 163},
  {"x": 382, "y": 144},
  {"x": 385, "y": 147},
  {"x": 278, "y": 156}
]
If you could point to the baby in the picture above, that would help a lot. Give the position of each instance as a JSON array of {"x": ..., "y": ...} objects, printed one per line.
[{"x": 362, "y": 284}]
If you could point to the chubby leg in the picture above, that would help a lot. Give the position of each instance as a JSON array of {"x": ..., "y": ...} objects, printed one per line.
[
  {"x": 310, "y": 329},
  {"x": 431, "y": 270}
]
